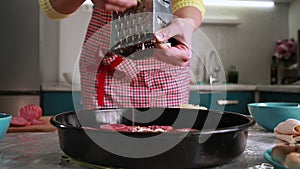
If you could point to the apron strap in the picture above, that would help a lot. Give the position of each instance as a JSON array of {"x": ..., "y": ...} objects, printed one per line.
[{"x": 101, "y": 78}]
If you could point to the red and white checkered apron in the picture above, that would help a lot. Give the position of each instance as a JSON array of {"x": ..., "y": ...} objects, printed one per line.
[{"x": 115, "y": 82}]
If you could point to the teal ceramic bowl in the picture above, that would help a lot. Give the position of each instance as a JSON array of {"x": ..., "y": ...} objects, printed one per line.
[
  {"x": 270, "y": 114},
  {"x": 4, "y": 123}
]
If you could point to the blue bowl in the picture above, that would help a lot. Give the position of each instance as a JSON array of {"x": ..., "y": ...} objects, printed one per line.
[
  {"x": 270, "y": 114},
  {"x": 4, "y": 123}
]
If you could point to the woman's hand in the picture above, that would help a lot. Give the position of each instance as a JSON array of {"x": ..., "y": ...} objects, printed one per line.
[
  {"x": 179, "y": 55},
  {"x": 114, "y": 5}
]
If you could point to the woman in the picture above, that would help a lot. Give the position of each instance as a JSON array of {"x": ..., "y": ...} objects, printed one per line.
[{"x": 110, "y": 81}]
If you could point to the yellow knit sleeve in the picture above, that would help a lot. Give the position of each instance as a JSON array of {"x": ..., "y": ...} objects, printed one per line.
[
  {"x": 49, "y": 11},
  {"x": 177, "y": 4}
]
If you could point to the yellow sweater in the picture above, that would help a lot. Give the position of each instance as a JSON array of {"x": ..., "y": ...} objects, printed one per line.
[{"x": 176, "y": 4}]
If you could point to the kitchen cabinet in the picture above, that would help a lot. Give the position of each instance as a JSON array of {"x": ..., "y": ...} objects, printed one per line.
[
  {"x": 57, "y": 102},
  {"x": 233, "y": 101},
  {"x": 279, "y": 97}
]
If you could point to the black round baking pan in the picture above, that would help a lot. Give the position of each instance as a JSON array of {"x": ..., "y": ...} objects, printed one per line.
[{"x": 223, "y": 142}]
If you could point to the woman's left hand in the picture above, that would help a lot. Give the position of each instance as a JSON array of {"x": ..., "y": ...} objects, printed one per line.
[{"x": 179, "y": 55}]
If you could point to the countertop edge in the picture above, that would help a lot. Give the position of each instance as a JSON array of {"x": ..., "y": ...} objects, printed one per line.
[
  {"x": 66, "y": 87},
  {"x": 60, "y": 87},
  {"x": 246, "y": 87}
]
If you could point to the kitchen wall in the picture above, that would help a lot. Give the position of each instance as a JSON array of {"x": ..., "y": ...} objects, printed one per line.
[
  {"x": 294, "y": 25},
  {"x": 294, "y": 20},
  {"x": 72, "y": 32},
  {"x": 49, "y": 49},
  {"x": 61, "y": 43},
  {"x": 248, "y": 45}
]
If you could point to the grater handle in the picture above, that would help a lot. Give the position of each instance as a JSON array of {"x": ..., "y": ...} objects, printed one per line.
[{"x": 142, "y": 46}]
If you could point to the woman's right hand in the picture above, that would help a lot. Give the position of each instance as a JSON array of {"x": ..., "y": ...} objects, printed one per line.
[{"x": 114, "y": 5}]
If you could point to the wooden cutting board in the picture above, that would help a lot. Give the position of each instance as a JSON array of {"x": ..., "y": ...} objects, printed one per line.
[{"x": 48, "y": 127}]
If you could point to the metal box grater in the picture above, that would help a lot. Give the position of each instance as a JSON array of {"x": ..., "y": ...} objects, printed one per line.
[{"x": 133, "y": 29}]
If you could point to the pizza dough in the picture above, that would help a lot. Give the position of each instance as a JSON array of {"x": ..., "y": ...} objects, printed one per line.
[
  {"x": 153, "y": 128},
  {"x": 292, "y": 160},
  {"x": 288, "y": 155},
  {"x": 279, "y": 152}
]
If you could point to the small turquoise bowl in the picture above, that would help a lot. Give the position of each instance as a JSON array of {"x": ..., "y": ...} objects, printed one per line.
[
  {"x": 270, "y": 114},
  {"x": 4, "y": 123}
]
